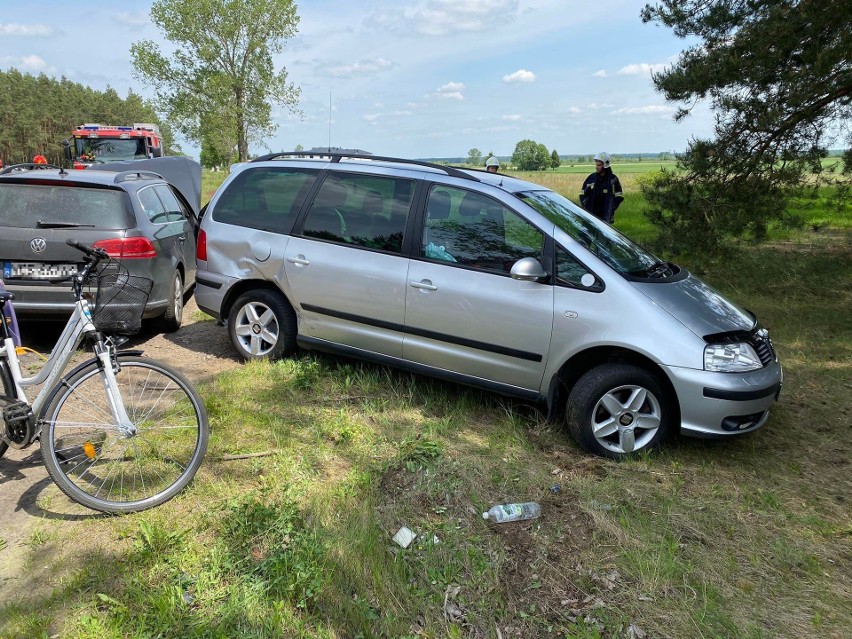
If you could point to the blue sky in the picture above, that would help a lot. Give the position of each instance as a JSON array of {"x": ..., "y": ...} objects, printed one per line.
[{"x": 423, "y": 78}]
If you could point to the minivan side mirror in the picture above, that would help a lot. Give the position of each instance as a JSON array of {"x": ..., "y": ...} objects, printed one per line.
[{"x": 528, "y": 269}]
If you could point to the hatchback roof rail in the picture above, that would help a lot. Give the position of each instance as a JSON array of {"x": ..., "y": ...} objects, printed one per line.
[
  {"x": 124, "y": 176},
  {"x": 336, "y": 156},
  {"x": 27, "y": 166}
]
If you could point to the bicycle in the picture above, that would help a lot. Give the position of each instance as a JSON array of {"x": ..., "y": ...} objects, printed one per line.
[{"x": 120, "y": 432}]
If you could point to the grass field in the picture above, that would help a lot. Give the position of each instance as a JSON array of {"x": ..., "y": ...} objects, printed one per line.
[{"x": 744, "y": 539}]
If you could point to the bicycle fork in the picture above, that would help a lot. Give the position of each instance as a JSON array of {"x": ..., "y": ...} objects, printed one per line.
[{"x": 109, "y": 366}]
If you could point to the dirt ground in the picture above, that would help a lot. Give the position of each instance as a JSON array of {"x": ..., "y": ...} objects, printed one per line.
[{"x": 199, "y": 350}]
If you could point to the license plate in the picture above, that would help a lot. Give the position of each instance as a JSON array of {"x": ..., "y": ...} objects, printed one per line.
[{"x": 37, "y": 270}]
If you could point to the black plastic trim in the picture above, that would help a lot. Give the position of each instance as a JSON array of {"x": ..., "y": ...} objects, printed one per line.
[
  {"x": 208, "y": 283},
  {"x": 441, "y": 337},
  {"x": 741, "y": 396}
]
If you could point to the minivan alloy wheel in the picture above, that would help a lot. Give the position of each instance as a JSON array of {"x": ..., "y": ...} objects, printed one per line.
[
  {"x": 262, "y": 325},
  {"x": 618, "y": 409}
]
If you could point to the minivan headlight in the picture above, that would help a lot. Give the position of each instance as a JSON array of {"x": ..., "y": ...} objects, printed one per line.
[{"x": 731, "y": 358}]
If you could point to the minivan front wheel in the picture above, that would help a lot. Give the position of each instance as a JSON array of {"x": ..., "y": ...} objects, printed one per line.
[
  {"x": 615, "y": 410},
  {"x": 262, "y": 325}
]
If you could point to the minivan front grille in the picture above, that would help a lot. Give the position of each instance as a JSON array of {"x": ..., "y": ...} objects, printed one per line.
[{"x": 762, "y": 345}]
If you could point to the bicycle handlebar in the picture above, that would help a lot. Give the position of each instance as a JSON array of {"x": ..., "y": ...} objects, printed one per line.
[{"x": 94, "y": 252}]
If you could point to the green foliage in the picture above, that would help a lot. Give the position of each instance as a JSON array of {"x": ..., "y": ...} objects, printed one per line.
[
  {"x": 219, "y": 86},
  {"x": 474, "y": 157},
  {"x": 530, "y": 156},
  {"x": 269, "y": 545},
  {"x": 38, "y": 112},
  {"x": 555, "y": 162},
  {"x": 779, "y": 78}
]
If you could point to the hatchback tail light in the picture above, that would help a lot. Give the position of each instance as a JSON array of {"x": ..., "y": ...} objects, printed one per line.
[
  {"x": 128, "y": 248},
  {"x": 201, "y": 246}
]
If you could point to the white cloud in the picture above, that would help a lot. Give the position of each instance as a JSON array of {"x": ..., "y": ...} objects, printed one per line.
[
  {"x": 444, "y": 17},
  {"x": 514, "y": 117},
  {"x": 450, "y": 91},
  {"x": 573, "y": 110},
  {"x": 642, "y": 68},
  {"x": 372, "y": 117},
  {"x": 600, "y": 74},
  {"x": 27, "y": 63},
  {"x": 136, "y": 19},
  {"x": 521, "y": 75},
  {"x": 362, "y": 67},
  {"x": 25, "y": 30},
  {"x": 646, "y": 110}
]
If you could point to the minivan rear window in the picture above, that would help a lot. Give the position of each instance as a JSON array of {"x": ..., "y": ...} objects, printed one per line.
[
  {"x": 43, "y": 206},
  {"x": 264, "y": 198}
]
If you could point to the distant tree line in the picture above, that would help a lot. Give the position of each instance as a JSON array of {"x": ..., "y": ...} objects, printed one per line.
[{"x": 38, "y": 112}]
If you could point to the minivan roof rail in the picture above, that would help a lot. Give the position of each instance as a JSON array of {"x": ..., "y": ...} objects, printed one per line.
[{"x": 336, "y": 156}]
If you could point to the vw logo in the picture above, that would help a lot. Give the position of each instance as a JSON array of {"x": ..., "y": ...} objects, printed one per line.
[{"x": 38, "y": 245}]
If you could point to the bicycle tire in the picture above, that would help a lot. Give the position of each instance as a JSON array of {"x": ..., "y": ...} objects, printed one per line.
[
  {"x": 6, "y": 385},
  {"x": 98, "y": 466}
]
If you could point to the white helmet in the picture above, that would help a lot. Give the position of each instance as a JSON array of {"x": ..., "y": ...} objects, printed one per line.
[
  {"x": 603, "y": 157},
  {"x": 492, "y": 161}
]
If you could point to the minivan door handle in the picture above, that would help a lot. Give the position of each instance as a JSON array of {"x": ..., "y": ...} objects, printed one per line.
[
  {"x": 299, "y": 260},
  {"x": 425, "y": 285}
]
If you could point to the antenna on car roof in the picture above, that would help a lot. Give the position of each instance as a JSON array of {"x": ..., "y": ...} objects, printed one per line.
[{"x": 329, "y": 121}]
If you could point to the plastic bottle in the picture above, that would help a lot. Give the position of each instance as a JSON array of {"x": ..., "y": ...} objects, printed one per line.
[{"x": 503, "y": 513}]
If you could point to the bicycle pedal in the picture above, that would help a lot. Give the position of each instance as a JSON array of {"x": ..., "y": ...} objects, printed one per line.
[{"x": 20, "y": 424}]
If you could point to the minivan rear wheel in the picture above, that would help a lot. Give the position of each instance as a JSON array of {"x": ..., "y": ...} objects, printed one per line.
[
  {"x": 616, "y": 410},
  {"x": 262, "y": 325}
]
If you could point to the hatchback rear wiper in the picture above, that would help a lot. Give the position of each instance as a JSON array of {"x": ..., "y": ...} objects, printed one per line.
[{"x": 61, "y": 225}]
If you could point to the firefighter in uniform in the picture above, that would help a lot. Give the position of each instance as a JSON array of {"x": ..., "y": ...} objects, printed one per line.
[{"x": 602, "y": 194}]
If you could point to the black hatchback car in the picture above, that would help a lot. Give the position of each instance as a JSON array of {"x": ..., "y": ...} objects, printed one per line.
[{"x": 144, "y": 213}]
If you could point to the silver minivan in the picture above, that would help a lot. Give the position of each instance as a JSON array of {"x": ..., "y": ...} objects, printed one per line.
[{"x": 481, "y": 279}]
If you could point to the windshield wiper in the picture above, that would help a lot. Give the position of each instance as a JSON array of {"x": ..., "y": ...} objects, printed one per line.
[
  {"x": 62, "y": 225},
  {"x": 658, "y": 269}
]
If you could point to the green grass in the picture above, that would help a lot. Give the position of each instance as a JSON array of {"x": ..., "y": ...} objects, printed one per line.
[{"x": 744, "y": 539}]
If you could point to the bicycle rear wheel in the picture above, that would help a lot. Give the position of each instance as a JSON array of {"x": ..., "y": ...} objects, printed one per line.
[{"x": 102, "y": 466}]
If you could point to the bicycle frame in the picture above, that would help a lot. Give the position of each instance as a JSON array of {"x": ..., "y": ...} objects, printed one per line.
[{"x": 78, "y": 325}]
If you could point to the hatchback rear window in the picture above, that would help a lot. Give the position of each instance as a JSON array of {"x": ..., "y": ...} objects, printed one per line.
[
  {"x": 49, "y": 206},
  {"x": 265, "y": 198}
]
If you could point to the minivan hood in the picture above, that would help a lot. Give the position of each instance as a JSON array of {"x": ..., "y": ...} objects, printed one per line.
[{"x": 697, "y": 306}]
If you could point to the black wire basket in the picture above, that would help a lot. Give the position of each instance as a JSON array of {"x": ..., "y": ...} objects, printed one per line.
[{"x": 120, "y": 300}]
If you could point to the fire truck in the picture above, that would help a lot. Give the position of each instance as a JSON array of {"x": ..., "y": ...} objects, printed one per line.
[{"x": 97, "y": 143}]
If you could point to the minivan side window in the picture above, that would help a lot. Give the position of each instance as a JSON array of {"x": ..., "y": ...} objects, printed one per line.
[
  {"x": 569, "y": 272},
  {"x": 472, "y": 229},
  {"x": 265, "y": 198},
  {"x": 365, "y": 210}
]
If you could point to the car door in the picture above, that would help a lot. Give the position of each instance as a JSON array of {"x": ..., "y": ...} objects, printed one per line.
[
  {"x": 464, "y": 313},
  {"x": 344, "y": 265},
  {"x": 178, "y": 213}
]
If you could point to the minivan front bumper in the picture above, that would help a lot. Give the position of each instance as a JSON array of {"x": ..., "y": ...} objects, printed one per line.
[{"x": 725, "y": 404}]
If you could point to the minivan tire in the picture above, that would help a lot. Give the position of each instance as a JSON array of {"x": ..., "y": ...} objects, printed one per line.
[
  {"x": 172, "y": 319},
  {"x": 617, "y": 410},
  {"x": 262, "y": 325}
]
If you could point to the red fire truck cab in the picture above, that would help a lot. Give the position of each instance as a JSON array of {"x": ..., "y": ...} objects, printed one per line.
[{"x": 97, "y": 143}]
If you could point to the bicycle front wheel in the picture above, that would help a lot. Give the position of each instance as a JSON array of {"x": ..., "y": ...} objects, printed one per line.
[{"x": 118, "y": 469}]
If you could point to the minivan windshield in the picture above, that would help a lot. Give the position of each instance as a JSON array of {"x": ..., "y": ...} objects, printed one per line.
[{"x": 613, "y": 248}]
